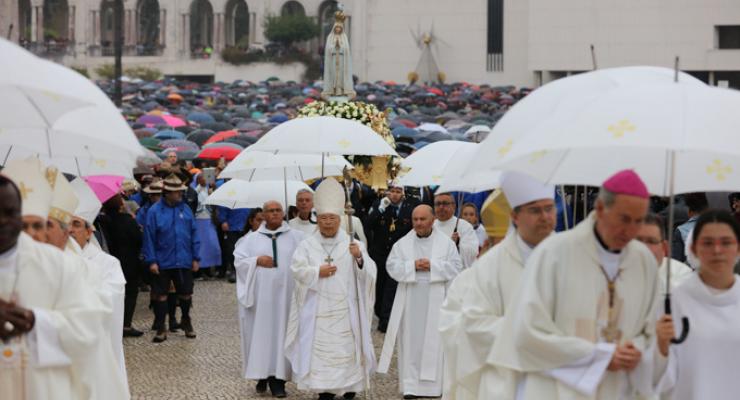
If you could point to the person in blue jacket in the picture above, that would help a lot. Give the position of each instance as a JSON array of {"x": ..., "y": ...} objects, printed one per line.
[
  {"x": 171, "y": 248},
  {"x": 232, "y": 226}
]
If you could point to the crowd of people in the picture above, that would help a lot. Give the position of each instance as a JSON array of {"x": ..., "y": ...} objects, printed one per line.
[{"x": 523, "y": 315}]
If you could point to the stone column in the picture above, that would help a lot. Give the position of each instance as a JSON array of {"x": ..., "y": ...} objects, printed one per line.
[
  {"x": 162, "y": 27},
  {"x": 71, "y": 12},
  {"x": 40, "y": 24},
  {"x": 34, "y": 24}
]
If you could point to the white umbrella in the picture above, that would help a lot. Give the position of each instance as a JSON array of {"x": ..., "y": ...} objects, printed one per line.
[
  {"x": 34, "y": 93},
  {"x": 561, "y": 98},
  {"x": 431, "y": 127},
  {"x": 646, "y": 128},
  {"x": 323, "y": 135},
  {"x": 261, "y": 165},
  {"x": 432, "y": 163},
  {"x": 237, "y": 193},
  {"x": 477, "y": 133}
]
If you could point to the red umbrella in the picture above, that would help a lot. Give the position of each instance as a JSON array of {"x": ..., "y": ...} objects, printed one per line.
[
  {"x": 407, "y": 123},
  {"x": 221, "y": 136},
  {"x": 214, "y": 153},
  {"x": 436, "y": 91}
]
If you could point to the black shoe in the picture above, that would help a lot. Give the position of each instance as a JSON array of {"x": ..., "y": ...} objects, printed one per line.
[
  {"x": 326, "y": 396},
  {"x": 232, "y": 278},
  {"x": 382, "y": 326},
  {"x": 349, "y": 395},
  {"x": 277, "y": 388},
  {"x": 261, "y": 386},
  {"x": 174, "y": 326},
  {"x": 411, "y": 396},
  {"x": 160, "y": 337},
  {"x": 187, "y": 326},
  {"x": 131, "y": 332}
]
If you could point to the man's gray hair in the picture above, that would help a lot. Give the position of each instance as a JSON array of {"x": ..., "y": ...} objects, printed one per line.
[
  {"x": 607, "y": 197},
  {"x": 301, "y": 191}
]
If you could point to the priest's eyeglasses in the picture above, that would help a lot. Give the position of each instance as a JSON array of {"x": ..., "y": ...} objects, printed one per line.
[{"x": 443, "y": 203}]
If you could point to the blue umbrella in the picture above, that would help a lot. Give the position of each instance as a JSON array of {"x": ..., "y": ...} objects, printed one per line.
[
  {"x": 404, "y": 131},
  {"x": 200, "y": 117},
  {"x": 169, "y": 134},
  {"x": 279, "y": 118}
]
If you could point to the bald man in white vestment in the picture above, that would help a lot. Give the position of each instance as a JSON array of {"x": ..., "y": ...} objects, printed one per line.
[{"x": 423, "y": 262}]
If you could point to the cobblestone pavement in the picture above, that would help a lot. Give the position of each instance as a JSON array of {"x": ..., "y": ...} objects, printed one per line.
[{"x": 209, "y": 367}]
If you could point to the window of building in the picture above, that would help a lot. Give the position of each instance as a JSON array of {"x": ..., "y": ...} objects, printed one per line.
[
  {"x": 495, "y": 39},
  {"x": 728, "y": 37}
]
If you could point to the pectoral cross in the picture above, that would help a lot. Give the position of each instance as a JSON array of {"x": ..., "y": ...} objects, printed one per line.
[
  {"x": 611, "y": 333},
  {"x": 328, "y": 259}
]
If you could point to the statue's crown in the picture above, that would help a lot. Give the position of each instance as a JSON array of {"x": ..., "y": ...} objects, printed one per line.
[{"x": 339, "y": 17}]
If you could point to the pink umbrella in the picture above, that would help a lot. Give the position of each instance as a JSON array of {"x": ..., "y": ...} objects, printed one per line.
[
  {"x": 104, "y": 186},
  {"x": 173, "y": 121}
]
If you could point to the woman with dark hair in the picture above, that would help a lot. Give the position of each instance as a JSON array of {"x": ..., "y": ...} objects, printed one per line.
[
  {"x": 705, "y": 365},
  {"x": 254, "y": 220}
]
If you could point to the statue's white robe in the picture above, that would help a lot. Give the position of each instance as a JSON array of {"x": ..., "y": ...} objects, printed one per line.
[
  {"x": 115, "y": 282},
  {"x": 468, "y": 247},
  {"x": 264, "y": 301},
  {"x": 706, "y": 365},
  {"x": 69, "y": 323},
  {"x": 416, "y": 311},
  {"x": 552, "y": 331},
  {"x": 325, "y": 327},
  {"x": 472, "y": 318}
]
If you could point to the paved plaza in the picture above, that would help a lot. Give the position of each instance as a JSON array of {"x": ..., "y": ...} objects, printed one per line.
[{"x": 208, "y": 367}]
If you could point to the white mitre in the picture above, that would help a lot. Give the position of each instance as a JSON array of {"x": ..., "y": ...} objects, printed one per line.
[
  {"x": 521, "y": 189},
  {"x": 329, "y": 198},
  {"x": 63, "y": 200},
  {"x": 35, "y": 190},
  {"x": 89, "y": 206}
]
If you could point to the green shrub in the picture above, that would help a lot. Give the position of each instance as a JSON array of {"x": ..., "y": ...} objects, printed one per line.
[
  {"x": 143, "y": 73},
  {"x": 289, "y": 29},
  {"x": 105, "y": 71}
]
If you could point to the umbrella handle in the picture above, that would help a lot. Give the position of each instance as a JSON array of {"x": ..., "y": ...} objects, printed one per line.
[{"x": 684, "y": 323}]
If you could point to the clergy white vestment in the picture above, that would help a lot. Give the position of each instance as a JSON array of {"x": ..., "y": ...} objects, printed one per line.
[
  {"x": 416, "y": 307},
  {"x": 115, "y": 282},
  {"x": 69, "y": 322},
  {"x": 326, "y": 328},
  {"x": 264, "y": 300},
  {"x": 680, "y": 272},
  {"x": 706, "y": 365},
  {"x": 554, "y": 328},
  {"x": 303, "y": 225},
  {"x": 468, "y": 246},
  {"x": 357, "y": 228},
  {"x": 101, "y": 370},
  {"x": 475, "y": 318}
]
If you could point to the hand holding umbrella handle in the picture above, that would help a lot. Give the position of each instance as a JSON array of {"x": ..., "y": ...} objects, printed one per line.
[{"x": 684, "y": 322}]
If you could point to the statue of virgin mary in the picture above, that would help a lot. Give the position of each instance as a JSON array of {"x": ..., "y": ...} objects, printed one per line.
[{"x": 338, "y": 62}]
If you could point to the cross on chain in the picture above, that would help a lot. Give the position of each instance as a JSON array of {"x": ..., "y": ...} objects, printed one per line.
[{"x": 328, "y": 259}]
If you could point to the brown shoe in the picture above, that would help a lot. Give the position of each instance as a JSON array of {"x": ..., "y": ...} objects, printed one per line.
[
  {"x": 160, "y": 337},
  {"x": 187, "y": 326}
]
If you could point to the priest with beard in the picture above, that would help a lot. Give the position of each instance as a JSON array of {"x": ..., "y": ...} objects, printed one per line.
[
  {"x": 264, "y": 285},
  {"x": 51, "y": 319},
  {"x": 328, "y": 340},
  {"x": 423, "y": 262},
  {"x": 582, "y": 323},
  {"x": 474, "y": 309},
  {"x": 458, "y": 229}
]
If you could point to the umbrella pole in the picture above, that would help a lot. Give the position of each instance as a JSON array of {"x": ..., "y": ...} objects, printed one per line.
[
  {"x": 322, "y": 166},
  {"x": 585, "y": 201},
  {"x": 667, "y": 302},
  {"x": 285, "y": 188},
  {"x": 5, "y": 161},
  {"x": 575, "y": 204},
  {"x": 565, "y": 206}
]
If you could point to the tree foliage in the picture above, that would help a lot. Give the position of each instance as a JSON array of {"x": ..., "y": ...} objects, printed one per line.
[{"x": 289, "y": 29}]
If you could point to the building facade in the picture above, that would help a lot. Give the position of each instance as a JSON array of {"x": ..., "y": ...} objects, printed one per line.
[{"x": 518, "y": 42}]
